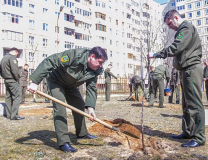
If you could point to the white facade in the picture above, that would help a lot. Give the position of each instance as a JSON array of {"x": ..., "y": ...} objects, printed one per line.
[{"x": 115, "y": 25}]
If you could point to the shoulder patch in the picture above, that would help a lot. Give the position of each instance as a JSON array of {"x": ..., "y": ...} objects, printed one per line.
[
  {"x": 180, "y": 35},
  {"x": 64, "y": 59}
]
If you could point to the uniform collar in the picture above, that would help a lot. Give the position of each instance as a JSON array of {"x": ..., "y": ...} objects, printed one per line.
[{"x": 182, "y": 24}]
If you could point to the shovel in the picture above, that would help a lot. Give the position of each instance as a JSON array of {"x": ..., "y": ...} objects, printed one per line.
[{"x": 85, "y": 114}]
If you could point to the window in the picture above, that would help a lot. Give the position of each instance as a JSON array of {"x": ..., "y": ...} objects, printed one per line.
[
  {"x": 45, "y": 10},
  {"x": 189, "y": 15},
  {"x": 206, "y": 2},
  {"x": 102, "y": 39},
  {"x": 206, "y": 21},
  {"x": 12, "y": 18},
  {"x": 69, "y": 31},
  {"x": 103, "y": 5},
  {"x": 68, "y": 18},
  {"x": 57, "y": 2},
  {"x": 198, "y": 22},
  {"x": 198, "y": 4},
  {"x": 173, "y": 4},
  {"x": 69, "y": 45},
  {"x": 100, "y": 15},
  {"x": 206, "y": 30},
  {"x": 128, "y": 16},
  {"x": 45, "y": 56},
  {"x": 45, "y": 41},
  {"x": 15, "y": 3},
  {"x": 189, "y": 6},
  {"x": 198, "y": 13},
  {"x": 31, "y": 8},
  {"x": 110, "y": 42},
  {"x": 116, "y": 22},
  {"x": 78, "y": 23},
  {"x": 78, "y": 36},
  {"x": 68, "y": 4},
  {"x": 206, "y": 11},
  {"x": 31, "y": 24},
  {"x": 31, "y": 56},
  {"x": 31, "y": 40},
  {"x": 117, "y": 43},
  {"x": 100, "y": 27},
  {"x": 10, "y": 35},
  {"x": 111, "y": 54},
  {"x": 45, "y": 26}
]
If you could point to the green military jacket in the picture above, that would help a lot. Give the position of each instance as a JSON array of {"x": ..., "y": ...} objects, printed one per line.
[
  {"x": 161, "y": 71},
  {"x": 205, "y": 75},
  {"x": 186, "y": 47},
  {"x": 69, "y": 69},
  {"x": 175, "y": 80},
  {"x": 108, "y": 75},
  {"x": 9, "y": 69}
]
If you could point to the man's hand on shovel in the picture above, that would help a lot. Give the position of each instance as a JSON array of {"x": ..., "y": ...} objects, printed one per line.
[
  {"x": 33, "y": 87},
  {"x": 91, "y": 112}
]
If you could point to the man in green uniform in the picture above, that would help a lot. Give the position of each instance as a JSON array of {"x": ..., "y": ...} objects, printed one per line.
[
  {"x": 108, "y": 75},
  {"x": 135, "y": 82},
  {"x": 205, "y": 75},
  {"x": 66, "y": 71},
  {"x": 23, "y": 82},
  {"x": 187, "y": 51},
  {"x": 157, "y": 76},
  {"x": 10, "y": 73},
  {"x": 175, "y": 85}
]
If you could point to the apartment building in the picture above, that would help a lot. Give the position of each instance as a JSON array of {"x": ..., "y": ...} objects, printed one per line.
[{"x": 41, "y": 28}]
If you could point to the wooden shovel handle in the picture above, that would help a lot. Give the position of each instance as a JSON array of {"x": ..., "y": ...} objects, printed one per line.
[{"x": 74, "y": 109}]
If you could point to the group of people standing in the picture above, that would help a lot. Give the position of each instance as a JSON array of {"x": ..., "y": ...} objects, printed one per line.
[{"x": 69, "y": 69}]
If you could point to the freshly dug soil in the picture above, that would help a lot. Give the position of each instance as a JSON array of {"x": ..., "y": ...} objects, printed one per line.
[{"x": 131, "y": 138}]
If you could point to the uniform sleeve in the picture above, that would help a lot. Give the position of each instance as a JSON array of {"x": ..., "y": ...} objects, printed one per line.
[
  {"x": 14, "y": 69},
  {"x": 91, "y": 93},
  {"x": 52, "y": 62},
  {"x": 167, "y": 74},
  {"x": 112, "y": 75},
  {"x": 0, "y": 71},
  {"x": 180, "y": 43}
]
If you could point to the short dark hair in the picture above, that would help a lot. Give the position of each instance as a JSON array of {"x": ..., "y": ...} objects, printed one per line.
[
  {"x": 99, "y": 52},
  {"x": 26, "y": 64},
  {"x": 170, "y": 14},
  {"x": 14, "y": 49}
]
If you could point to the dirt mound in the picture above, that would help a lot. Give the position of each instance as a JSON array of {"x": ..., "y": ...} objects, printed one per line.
[
  {"x": 130, "y": 138},
  {"x": 133, "y": 98}
]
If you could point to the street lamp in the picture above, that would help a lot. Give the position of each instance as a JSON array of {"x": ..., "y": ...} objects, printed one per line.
[{"x": 61, "y": 9}]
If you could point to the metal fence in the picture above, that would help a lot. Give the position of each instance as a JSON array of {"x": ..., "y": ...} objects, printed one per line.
[{"x": 118, "y": 86}]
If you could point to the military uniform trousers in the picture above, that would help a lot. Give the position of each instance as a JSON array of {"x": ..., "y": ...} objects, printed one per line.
[
  {"x": 193, "y": 121},
  {"x": 177, "y": 91},
  {"x": 107, "y": 91},
  {"x": 23, "y": 93},
  {"x": 73, "y": 97},
  {"x": 12, "y": 99},
  {"x": 206, "y": 87},
  {"x": 153, "y": 88}
]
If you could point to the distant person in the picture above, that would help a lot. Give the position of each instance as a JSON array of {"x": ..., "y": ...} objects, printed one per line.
[
  {"x": 46, "y": 89},
  {"x": 205, "y": 76},
  {"x": 175, "y": 85},
  {"x": 23, "y": 82},
  {"x": 10, "y": 73},
  {"x": 135, "y": 82},
  {"x": 108, "y": 75},
  {"x": 157, "y": 76}
]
